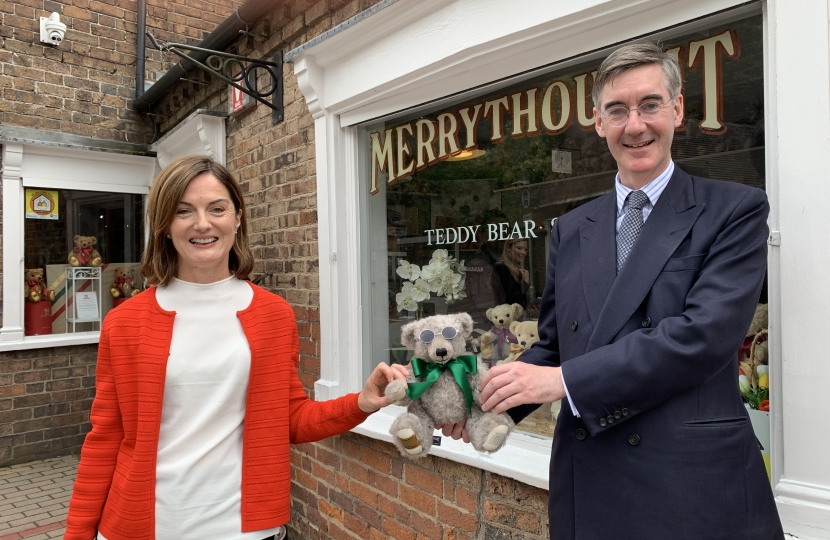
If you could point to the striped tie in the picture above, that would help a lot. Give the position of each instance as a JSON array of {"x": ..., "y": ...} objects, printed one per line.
[{"x": 631, "y": 226}]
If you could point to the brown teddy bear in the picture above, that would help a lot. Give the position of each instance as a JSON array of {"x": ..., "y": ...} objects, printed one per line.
[
  {"x": 35, "y": 289},
  {"x": 527, "y": 333},
  {"x": 124, "y": 284},
  {"x": 495, "y": 344},
  {"x": 84, "y": 254}
]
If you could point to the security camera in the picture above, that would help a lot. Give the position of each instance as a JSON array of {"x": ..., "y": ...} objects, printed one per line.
[{"x": 52, "y": 29}]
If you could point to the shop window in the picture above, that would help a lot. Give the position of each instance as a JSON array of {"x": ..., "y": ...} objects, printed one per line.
[
  {"x": 59, "y": 203},
  {"x": 473, "y": 186},
  {"x": 87, "y": 247}
]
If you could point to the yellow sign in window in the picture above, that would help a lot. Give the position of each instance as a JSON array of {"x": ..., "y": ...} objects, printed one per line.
[{"x": 41, "y": 204}]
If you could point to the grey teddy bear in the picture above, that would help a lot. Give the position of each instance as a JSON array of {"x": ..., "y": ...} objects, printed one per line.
[{"x": 438, "y": 341}]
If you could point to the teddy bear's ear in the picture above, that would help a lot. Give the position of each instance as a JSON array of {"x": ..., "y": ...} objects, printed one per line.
[
  {"x": 514, "y": 327},
  {"x": 464, "y": 323},
  {"x": 94, "y": 240},
  {"x": 517, "y": 311},
  {"x": 489, "y": 314},
  {"x": 408, "y": 334},
  {"x": 76, "y": 238}
]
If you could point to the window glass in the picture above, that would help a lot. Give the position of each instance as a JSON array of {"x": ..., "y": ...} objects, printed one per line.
[
  {"x": 81, "y": 257},
  {"x": 462, "y": 197}
]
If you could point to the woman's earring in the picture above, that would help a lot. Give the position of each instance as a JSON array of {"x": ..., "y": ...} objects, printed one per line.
[{"x": 168, "y": 236}]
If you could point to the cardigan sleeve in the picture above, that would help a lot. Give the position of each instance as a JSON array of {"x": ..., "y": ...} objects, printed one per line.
[
  {"x": 311, "y": 421},
  {"x": 99, "y": 452}
]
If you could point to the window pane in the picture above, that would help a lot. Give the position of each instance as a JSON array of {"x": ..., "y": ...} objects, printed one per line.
[
  {"x": 480, "y": 181},
  {"x": 88, "y": 226}
]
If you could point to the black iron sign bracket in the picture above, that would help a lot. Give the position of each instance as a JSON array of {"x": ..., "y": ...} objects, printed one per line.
[{"x": 235, "y": 69}]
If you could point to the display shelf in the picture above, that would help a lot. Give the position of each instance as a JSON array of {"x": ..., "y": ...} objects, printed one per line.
[{"x": 83, "y": 298}]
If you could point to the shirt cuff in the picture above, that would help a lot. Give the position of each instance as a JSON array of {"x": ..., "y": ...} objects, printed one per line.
[{"x": 570, "y": 401}]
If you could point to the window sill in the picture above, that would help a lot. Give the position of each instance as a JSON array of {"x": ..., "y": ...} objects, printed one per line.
[
  {"x": 526, "y": 458},
  {"x": 55, "y": 340}
]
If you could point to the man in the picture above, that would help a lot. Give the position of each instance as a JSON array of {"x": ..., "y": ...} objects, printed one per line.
[{"x": 649, "y": 291}]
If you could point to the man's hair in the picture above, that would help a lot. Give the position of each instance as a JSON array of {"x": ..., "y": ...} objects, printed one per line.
[
  {"x": 634, "y": 55},
  {"x": 160, "y": 261}
]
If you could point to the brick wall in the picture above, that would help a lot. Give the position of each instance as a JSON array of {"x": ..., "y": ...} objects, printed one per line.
[
  {"x": 355, "y": 487},
  {"x": 45, "y": 396}
]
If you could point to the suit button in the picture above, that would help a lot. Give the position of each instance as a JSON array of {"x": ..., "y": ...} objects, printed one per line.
[
  {"x": 574, "y": 326},
  {"x": 617, "y": 415},
  {"x": 633, "y": 439},
  {"x": 646, "y": 322},
  {"x": 610, "y": 419},
  {"x": 624, "y": 411},
  {"x": 602, "y": 422},
  {"x": 581, "y": 434}
]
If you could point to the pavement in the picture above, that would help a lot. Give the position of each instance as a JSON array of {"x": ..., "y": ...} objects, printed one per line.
[{"x": 34, "y": 498}]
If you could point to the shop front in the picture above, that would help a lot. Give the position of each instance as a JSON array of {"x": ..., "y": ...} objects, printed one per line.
[{"x": 449, "y": 138}]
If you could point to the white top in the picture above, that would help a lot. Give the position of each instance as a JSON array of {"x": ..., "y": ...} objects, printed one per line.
[{"x": 199, "y": 464}]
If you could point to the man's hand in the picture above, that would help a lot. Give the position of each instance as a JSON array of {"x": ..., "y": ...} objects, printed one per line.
[
  {"x": 517, "y": 383},
  {"x": 371, "y": 398},
  {"x": 456, "y": 431}
]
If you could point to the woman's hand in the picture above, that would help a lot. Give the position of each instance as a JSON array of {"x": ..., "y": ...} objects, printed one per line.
[
  {"x": 371, "y": 398},
  {"x": 525, "y": 275}
]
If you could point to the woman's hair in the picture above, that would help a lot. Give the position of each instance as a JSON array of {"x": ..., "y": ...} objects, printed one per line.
[
  {"x": 508, "y": 259},
  {"x": 160, "y": 261}
]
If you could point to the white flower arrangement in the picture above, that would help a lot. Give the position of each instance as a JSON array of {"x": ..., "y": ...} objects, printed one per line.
[{"x": 443, "y": 276}]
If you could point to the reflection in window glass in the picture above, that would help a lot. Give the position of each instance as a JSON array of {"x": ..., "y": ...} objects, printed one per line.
[
  {"x": 478, "y": 184},
  {"x": 82, "y": 257}
]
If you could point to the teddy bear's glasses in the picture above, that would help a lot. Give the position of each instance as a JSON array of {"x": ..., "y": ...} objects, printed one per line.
[{"x": 428, "y": 335}]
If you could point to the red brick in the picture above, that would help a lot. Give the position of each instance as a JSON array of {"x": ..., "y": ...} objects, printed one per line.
[
  {"x": 418, "y": 500},
  {"x": 454, "y": 517},
  {"x": 426, "y": 480},
  {"x": 397, "y": 530}
]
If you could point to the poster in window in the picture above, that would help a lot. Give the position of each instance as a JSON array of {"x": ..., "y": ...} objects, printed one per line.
[{"x": 41, "y": 204}]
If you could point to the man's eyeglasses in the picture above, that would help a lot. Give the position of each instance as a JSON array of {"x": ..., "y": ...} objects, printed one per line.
[
  {"x": 617, "y": 116},
  {"x": 428, "y": 335}
]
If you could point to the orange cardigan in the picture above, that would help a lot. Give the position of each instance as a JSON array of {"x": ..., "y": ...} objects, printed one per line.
[{"x": 115, "y": 487}]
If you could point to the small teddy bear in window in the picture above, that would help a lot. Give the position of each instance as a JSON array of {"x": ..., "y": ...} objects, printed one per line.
[
  {"x": 84, "y": 254},
  {"x": 443, "y": 388}
]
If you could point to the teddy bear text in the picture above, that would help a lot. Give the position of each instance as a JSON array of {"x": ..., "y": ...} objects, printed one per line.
[{"x": 443, "y": 388}]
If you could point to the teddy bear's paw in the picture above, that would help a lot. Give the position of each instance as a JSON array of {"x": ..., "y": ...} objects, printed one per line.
[
  {"x": 495, "y": 438},
  {"x": 35, "y": 296},
  {"x": 51, "y": 295},
  {"x": 73, "y": 261},
  {"x": 410, "y": 441},
  {"x": 96, "y": 261},
  {"x": 396, "y": 391}
]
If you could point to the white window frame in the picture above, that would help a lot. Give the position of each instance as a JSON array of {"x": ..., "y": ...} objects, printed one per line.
[
  {"x": 55, "y": 167},
  {"x": 50, "y": 165},
  {"x": 412, "y": 53}
]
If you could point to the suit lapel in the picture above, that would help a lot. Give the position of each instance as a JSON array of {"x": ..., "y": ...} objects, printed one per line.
[
  {"x": 669, "y": 222},
  {"x": 598, "y": 249}
]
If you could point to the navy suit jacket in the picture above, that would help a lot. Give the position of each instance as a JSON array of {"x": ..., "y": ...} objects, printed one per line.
[{"x": 664, "y": 448}]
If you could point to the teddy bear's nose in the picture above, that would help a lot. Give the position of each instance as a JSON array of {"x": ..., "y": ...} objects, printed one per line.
[
  {"x": 501, "y": 321},
  {"x": 523, "y": 343},
  {"x": 441, "y": 352}
]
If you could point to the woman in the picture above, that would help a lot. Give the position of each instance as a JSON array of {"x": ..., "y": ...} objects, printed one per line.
[
  {"x": 197, "y": 392},
  {"x": 514, "y": 278}
]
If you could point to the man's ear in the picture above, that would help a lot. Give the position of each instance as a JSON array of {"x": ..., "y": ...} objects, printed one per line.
[
  {"x": 408, "y": 334},
  {"x": 679, "y": 110},
  {"x": 464, "y": 324},
  {"x": 598, "y": 123}
]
